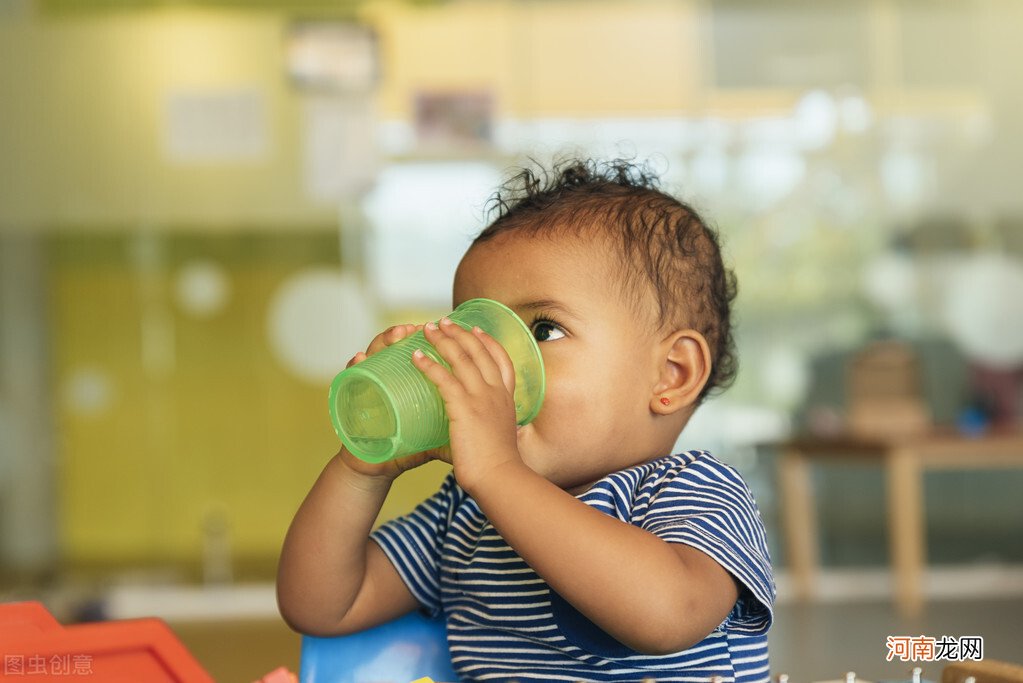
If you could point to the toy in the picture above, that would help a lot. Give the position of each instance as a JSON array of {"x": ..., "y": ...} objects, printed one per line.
[
  {"x": 36, "y": 646},
  {"x": 409, "y": 648}
]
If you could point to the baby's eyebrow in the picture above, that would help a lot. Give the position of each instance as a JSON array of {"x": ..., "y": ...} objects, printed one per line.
[{"x": 546, "y": 304}]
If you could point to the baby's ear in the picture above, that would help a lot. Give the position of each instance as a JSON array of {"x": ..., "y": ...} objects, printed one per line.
[{"x": 685, "y": 363}]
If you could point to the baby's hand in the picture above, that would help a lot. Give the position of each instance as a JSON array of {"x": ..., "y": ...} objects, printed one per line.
[
  {"x": 479, "y": 397},
  {"x": 390, "y": 468}
]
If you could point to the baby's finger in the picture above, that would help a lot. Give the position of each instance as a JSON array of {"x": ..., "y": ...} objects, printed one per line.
[
  {"x": 357, "y": 358},
  {"x": 484, "y": 359},
  {"x": 460, "y": 363},
  {"x": 470, "y": 362},
  {"x": 500, "y": 357},
  {"x": 390, "y": 336},
  {"x": 449, "y": 387}
]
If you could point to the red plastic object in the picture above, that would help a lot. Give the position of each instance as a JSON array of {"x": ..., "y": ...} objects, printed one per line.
[
  {"x": 35, "y": 647},
  {"x": 279, "y": 675}
]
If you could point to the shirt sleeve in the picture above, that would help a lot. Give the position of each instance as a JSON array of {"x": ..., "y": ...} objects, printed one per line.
[
  {"x": 413, "y": 544},
  {"x": 705, "y": 504}
]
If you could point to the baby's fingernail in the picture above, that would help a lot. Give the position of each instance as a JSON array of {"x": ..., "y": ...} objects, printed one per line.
[
  {"x": 477, "y": 329},
  {"x": 445, "y": 321},
  {"x": 418, "y": 354},
  {"x": 431, "y": 326}
]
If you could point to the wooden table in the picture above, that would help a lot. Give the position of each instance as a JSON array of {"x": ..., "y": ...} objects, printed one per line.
[{"x": 903, "y": 462}]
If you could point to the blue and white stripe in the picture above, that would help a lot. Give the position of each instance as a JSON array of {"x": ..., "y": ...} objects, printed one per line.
[{"x": 504, "y": 622}]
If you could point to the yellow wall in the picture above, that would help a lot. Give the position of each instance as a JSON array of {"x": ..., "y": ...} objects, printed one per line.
[
  {"x": 214, "y": 425},
  {"x": 82, "y": 136},
  {"x": 540, "y": 58},
  {"x": 84, "y": 115},
  {"x": 85, "y": 106},
  {"x": 200, "y": 418}
]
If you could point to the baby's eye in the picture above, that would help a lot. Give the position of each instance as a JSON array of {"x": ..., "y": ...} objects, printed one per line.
[{"x": 544, "y": 330}]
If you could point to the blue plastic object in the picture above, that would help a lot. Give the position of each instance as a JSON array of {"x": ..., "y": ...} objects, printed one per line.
[{"x": 403, "y": 650}]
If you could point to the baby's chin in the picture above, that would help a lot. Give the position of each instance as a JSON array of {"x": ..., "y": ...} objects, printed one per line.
[
  {"x": 533, "y": 447},
  {"x": 575, "y": 484},
  {"x": 531, "y": 454}
]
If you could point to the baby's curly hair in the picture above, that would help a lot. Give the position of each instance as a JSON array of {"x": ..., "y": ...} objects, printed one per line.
[{"x": 663, "y": 242}]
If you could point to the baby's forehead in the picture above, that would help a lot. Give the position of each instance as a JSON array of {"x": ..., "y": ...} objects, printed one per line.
[
  {"x": 590, "y": 241},
  {"x": 555, "y": 266},
  {"x": 534, "y": 254}
]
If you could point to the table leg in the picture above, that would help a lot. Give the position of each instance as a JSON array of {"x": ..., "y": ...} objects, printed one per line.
[
  {"x": 906, "y": 530},
  {"x": 799, "y": 520}
]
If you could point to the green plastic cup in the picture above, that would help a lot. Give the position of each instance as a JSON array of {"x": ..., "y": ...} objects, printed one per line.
[{"x": 384, "y": 407}]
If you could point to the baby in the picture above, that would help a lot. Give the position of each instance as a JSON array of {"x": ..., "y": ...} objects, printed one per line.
[{"x": 577, "y": 547}]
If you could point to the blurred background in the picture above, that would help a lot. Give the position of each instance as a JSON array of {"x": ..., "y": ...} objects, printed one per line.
[{"x": 207, "y": 207}]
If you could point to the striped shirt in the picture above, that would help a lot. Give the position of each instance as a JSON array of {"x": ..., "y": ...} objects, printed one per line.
[{"x": 505, "y": 623}]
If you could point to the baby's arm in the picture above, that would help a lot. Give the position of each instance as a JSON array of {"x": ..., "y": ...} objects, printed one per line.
[
  {"x": 332, "y": 579},
  {"x": 653, "y": 596}
]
